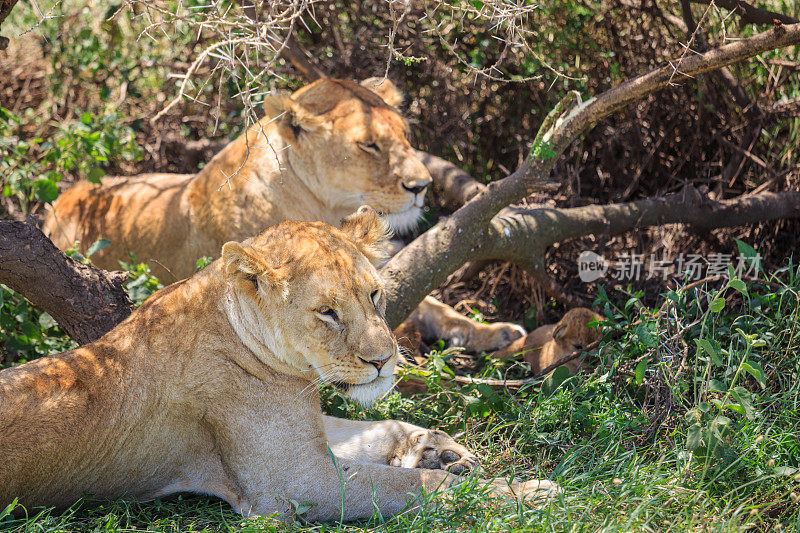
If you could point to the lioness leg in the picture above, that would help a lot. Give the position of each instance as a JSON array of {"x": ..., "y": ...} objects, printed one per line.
[
  {"x": 395, "y": 443},
  {"x": 351, "y": 490},
  {"x": 365, "y": 488},
  {"x": 436, "y": 320}
]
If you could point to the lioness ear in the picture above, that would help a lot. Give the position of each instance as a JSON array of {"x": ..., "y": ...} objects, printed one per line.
[
  {"x": 245, "y": 260},
  {"x": 369, "y": 232},
  {"x": 559, "y": 332},
  {"x": 276, "y": 103},
  {"x": 292, "y": 117},
  {"x": 384, "y": 88}
]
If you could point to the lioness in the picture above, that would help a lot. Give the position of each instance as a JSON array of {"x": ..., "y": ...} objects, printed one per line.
[
  {"x": 317, "y": 155},
  {"x": 547, "y": 344},
  {"x": 210, "y": 387}
]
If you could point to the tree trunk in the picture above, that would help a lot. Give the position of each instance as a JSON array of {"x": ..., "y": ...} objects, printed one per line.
[{"x": 84, "y": 300}]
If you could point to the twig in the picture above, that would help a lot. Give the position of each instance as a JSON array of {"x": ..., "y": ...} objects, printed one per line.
[{"x": 750, "y": 14}]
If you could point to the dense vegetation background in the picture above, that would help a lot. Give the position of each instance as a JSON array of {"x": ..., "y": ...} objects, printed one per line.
[{"x": 690, "y": 419}]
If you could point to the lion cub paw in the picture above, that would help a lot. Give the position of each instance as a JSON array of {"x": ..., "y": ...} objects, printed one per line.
[
  {"x": 536, "y": 491},
  {"x": 434, "y": 450}
]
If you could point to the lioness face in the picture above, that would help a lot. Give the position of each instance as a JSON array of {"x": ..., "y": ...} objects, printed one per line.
[
  {"x": 309, "y": 296},
  {"x": 351, "y": 148}
]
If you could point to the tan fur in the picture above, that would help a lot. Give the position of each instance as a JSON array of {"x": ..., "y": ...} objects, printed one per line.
[
  {"x": 311, "y": 158},
  {"x": 547, "y": 344},
  {"x": 436, "y": 320},
  {"x": 210, "y": 387},
  {"x": 316, "y": 156}
]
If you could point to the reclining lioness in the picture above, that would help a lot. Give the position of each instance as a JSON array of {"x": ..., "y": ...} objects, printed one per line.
[
  {"x": 317, "y": 155},
  {"x": 210, "y": 387}
]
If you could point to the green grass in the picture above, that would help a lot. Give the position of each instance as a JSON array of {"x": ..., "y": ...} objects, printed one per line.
[{"x": 637, "y": 443}]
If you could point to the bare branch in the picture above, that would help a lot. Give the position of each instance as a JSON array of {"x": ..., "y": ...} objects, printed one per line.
[
  {"x": 750, "y": 14},
  {"x": 299, "y": 58}
]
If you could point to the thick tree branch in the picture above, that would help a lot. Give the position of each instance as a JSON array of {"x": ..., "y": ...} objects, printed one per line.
[
  {"x": 458, "y": 186},
  {"x": 429, "y": 259},
  {"x": 515, "y": 232},
  {"x": 84, "y": 300},
  {"x": 523, "y": 235}
]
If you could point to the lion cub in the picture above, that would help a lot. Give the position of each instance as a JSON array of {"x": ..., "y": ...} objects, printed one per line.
[{"x": 547, "y": 344}]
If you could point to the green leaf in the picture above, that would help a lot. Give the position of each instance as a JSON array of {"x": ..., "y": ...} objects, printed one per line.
[
  {"x": 46, "y": 321},
  {"x": 640, "y": 368},
  {"x": 646, "y": 336},
  {"x": 46, "y": 190},
  {"x": 745, "y": 401},
  {"x": 30, "y": 330},
  {"x": 554, "y": 380},
  {"x": 95, "y": 174},
  {"x": 10, "y": 507},
  {"x": 715, "y": 385},
  {"x": 721, "y": 420},
  {"x": 749, "y": 254},
  {"x": 96, "y": 246},
  {"x": 694, "y": 437},
  {"x": 739, "y": 285},
  {"x": 441, "y": 367},
  {"x": 745, "y": 250},
  {"x": 301, "y": 508},
  {"x": 86, "y": 118},
  {"x": 755, "y": 370},
  {"x": 712, "y": 348},
  {"x": 717, "y": 305}
]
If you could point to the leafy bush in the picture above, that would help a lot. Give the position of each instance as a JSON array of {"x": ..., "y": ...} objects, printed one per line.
[{"x": 31, "y": 168}]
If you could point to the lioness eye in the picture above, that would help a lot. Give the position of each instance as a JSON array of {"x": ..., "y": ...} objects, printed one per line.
[
  {"x": 329, "y": 313},
  {"x": 376, "y": 297},
  {"x": 371, "y": 147}
]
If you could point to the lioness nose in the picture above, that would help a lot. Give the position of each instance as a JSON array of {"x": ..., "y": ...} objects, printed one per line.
[
  {"x": 416, "y": 188},
  {"x": 377, "y": 363}
]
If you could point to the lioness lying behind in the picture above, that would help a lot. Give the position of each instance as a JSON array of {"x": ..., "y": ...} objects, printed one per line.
[
  {"x": 317, "y": 155},
  {"x": 210, "y": 387},
  {"x": 547, "y": 344}
]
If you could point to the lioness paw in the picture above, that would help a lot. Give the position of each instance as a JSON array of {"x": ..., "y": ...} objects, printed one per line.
[{"x": 434, "y": 450}]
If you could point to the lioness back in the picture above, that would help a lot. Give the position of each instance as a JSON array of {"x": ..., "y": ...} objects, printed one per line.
[{"x": 145, "y": 215}]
